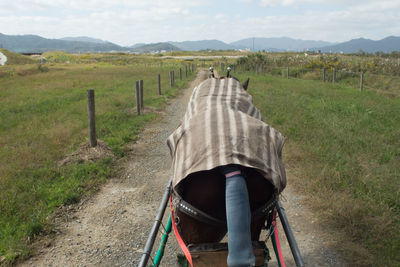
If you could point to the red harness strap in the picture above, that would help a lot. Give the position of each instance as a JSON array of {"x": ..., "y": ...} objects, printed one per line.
[
  {"x": 178, "y": 236},
  {"x": 278, "y": 245}
]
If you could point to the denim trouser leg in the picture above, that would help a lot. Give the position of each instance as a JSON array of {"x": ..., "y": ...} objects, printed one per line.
[{"x": 239, "y": 219}]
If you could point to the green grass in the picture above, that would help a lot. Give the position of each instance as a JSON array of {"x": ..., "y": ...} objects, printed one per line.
[
  {"x": 43, "y": 117},
  {"x": 344, "y": 147},
  {"x": 32, "y": 195}
]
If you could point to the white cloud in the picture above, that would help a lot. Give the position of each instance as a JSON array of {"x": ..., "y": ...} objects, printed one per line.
[
  {"x": 221, "y": 16},
  {"x": 274, "y": 3},
  {"x": 129, "y": 21},
  {"x": 286, "y": 3}
]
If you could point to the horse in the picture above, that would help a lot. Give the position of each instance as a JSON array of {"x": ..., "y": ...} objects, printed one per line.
[{"x": 221, "y": 126}]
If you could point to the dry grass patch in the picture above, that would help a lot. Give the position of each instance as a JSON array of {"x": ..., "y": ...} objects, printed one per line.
[{"x": 86, "y": 153}]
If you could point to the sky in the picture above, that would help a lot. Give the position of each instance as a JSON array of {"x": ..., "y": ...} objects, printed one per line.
[{"x": 127, "y": 22}]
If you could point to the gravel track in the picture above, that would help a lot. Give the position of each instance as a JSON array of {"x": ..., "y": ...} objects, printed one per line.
[{"x": 111, "y": 228}]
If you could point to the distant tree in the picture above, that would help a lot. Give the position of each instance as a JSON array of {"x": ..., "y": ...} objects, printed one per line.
[
  {"x": 395, "y": 54},
  {"x": 361, "y": 53},
  {"x": 380, "y": 54}
]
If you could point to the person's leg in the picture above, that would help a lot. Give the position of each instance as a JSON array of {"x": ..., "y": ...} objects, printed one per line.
[{"x": 238, "y": 217}]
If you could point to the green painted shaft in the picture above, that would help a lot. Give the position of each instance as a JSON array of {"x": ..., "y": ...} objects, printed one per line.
[{"x": 164, "y": 239}]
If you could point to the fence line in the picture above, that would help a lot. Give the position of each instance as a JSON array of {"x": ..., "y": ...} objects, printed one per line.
[
  {"x": 333, "y": 75},
  {"x": 92, "y": 118},
  {"x": 137, "y": 97},
  {"x": 159, "y": 84},
  {"x": 141, "y": 94},
  {"x": 140, "y": 91}
]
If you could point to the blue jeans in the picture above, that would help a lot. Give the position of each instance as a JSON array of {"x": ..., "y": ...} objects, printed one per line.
[{"x": 238, "y": 218}]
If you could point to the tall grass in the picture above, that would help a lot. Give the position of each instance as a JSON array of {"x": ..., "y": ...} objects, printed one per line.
[
  {"x": 43, "y": 117},
  {"x": 344, "y": 147}
]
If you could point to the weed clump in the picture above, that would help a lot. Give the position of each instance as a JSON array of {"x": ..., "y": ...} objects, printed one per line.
[{"x": 86, "y": 153}]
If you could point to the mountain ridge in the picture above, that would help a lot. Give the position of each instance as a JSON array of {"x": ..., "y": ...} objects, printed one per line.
[
  {"x": 278, "y": 44},
  {"x": 84, "y": 39},
  {"x": 37, "y": 44},
  {"x": 212, "y": 44},
  {"x": 386, "y": 45}
]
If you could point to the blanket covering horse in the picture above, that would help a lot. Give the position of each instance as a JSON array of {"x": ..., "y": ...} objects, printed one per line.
[{"x": 222, "y": 126}]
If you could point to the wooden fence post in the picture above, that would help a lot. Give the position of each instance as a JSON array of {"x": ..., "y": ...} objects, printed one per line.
[
  {"x": 180, "y": 74},
  {"x": 334, "y": 75},
  {"x": 137, "y": 97},
  {"x": 171, "y": 81},
  {"x": 361, "y": 81},
  {"x": 92, "y": 119},
  {"x": 159, "y": 84},
  {"x": 323, "y": 74},
  {"x": 287, "y": 72},
  {"x": 141, "y": 94},
  {"x": 186, "y": 71}
]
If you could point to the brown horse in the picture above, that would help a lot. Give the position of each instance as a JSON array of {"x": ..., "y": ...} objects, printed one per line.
[{"x": 221, "y": 126}]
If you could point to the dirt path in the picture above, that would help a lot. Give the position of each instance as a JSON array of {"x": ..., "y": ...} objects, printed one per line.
[{"x": 111, "y": 228}]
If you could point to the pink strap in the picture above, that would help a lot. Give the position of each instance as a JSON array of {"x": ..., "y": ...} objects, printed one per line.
[
  {"x": 278, "y": 245},
  {"x": 230, "y": 174},
  {"x": 178, "y": 236}
]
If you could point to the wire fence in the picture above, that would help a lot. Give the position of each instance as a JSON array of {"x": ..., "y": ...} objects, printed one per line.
[{"x": 381, "y": 83}]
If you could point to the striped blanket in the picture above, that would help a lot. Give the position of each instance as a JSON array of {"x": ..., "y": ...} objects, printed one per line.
[{"x": 222, "y": 126}]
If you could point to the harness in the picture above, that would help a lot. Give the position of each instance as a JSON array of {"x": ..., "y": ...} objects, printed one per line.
[{"x": 185, "y": 207}]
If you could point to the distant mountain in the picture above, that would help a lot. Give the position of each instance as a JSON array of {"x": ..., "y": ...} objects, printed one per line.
[
  {"x": 386, "y": 45},
  {"x": 137, "y": 45},
  {"x": 278, "y": 44},
  {"x": 203, "y": 45},
  {"x": 157, "y": 47},
  {"x": 84, "y": 39},
  {"x": 35, "y": 44}
]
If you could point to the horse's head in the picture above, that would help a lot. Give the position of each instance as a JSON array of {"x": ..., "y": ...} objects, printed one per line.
[{"x": 228, "y": 75}]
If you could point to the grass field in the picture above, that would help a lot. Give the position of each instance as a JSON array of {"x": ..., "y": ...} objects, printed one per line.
[
  {"x": 344, "y": 147},
  {"x": 43, "y": 117}
]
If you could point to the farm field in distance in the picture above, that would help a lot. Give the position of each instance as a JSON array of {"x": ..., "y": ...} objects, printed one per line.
[{"x": 343, "y": 144}]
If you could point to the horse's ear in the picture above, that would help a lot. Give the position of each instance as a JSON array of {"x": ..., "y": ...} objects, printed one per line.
[{"x": 246, "y": 84}]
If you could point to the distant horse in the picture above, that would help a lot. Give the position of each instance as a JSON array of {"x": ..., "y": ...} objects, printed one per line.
[{"x": 221, "y": 126}]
